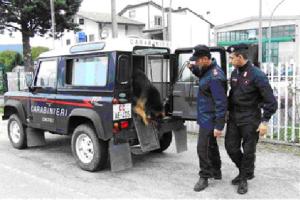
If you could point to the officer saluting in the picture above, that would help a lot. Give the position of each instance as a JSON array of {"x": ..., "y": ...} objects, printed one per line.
[
  {"x": 211, "y": 110},
  {"x": 250, "y": 92}
]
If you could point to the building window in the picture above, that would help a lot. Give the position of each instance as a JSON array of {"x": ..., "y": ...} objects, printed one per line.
[
  {"x": 91, "y": 37},
  {"x": 81, "y": 21},
  {"x": 274, "y": 52},
  {"x": 157, "y": 20},
  {"x": 252, "y": 34},
  {"x": 68, "y": 42},
  {"x": 283, "y": 31},
  {"x": 132, "y": 14}
]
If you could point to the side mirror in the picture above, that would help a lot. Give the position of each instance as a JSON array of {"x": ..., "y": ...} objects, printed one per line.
[{"x": 28, "y": 78}]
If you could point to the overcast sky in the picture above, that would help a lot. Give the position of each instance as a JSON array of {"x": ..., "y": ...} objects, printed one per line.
[{"x": 221, "y": 11}]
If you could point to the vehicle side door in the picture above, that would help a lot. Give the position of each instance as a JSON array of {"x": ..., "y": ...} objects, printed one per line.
[
  {"x": 185, "y": 84},
  {"x": 43, "y": 94}
]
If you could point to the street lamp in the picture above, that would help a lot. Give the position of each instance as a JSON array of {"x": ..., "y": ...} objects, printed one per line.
[
  {"x": 269, "y": 30},
  {"x": 208, "y": 33}
]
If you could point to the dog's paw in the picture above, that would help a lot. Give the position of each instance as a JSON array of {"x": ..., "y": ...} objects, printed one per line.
[{"x": 146, "y": 122}]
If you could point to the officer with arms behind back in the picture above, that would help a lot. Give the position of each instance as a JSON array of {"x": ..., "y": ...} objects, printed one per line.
[
  {"x": 250, "y": 92},
  {"x": 211, "y": 110}
]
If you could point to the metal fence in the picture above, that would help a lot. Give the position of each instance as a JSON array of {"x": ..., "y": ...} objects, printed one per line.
[
  {"x": 16, "y": 81},
  {"x": 284, "y": 126}
]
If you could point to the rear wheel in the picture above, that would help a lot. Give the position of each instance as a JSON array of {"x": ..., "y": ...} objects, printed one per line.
[
  {"x": 90, "y": 152},
  {"x": 164, "y": 142},
  {"x": 16, "y": 132}
]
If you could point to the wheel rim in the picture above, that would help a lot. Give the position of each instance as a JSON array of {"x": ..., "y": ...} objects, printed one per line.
[
  {"x": 84, "y": 148},
  {"x": 15, "y": 133}
]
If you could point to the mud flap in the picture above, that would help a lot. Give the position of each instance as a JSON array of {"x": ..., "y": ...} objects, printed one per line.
[
  {"x": 35, "y": 137},
  {"x": 120, "y": 156},
  {"x": 180, "y": 139},
  {"x": 147, "y": 135}
]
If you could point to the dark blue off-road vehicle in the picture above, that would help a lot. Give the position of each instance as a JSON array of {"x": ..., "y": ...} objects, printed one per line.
[{"x": 86, "y": 92}]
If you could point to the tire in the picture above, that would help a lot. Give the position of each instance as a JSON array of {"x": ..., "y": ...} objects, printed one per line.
[
  {"x": 164, "y": 142},
  {"x": 89, "y": 152},
  {"x": 16, "y": 132}
]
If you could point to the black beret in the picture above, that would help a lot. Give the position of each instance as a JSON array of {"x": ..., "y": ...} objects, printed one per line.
[
  {"x": 237, "y": 47},
  {"x": 199, "y": 51}
]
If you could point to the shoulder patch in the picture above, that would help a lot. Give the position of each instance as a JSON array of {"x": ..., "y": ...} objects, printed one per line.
[{"x": 215, "y": 72}]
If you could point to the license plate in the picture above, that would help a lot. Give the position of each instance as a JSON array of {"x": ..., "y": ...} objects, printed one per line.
[{"x": 121, "y": 111}]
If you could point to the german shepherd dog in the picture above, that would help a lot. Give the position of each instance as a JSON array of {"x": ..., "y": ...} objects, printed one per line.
[{"x": 148, "y": 104}]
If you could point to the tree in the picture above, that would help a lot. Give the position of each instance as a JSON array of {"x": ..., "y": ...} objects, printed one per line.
[
  {"x": 33, "y": 17},
  {"x": 10, "y": 59},
  {"x": 36, "y": 51}
]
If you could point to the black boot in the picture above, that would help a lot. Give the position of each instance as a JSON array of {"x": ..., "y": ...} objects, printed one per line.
[
  {"x": 201, "y": 184},
  {"x": 243, "y": 186},
  {"x": 237, "y": 179},
  {"x": 217, "y": 174},
  {"x": 250, "y": 176}
]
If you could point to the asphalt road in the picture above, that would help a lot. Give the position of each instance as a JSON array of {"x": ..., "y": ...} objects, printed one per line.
[{"x": 50, "y": 172}]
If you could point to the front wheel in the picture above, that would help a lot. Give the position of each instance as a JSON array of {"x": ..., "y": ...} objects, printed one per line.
[
  {"x": 16, "y": 132},
  {"x": 90, "y": 152},
  {"x": 164, "y": 142}
]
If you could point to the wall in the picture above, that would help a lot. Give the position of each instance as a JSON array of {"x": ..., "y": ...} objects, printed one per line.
[
  {"x": 286, "y": 51},
  {"x": 188, "y": 30},
  {"x": 254, "y": 25},
  {"x": 141, "y": 15}
]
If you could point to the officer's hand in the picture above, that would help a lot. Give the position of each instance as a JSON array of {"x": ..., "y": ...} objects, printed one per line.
[
  {"x": 262, "y": 128},
  {"x": 217, "y": 133}
]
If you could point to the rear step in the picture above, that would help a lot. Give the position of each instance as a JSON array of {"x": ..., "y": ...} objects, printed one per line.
[{"x": 147, "y": 135}]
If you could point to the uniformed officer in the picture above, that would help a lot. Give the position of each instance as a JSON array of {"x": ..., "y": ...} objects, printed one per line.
[
  {"x": 211, "y": 110},
  {"x": 250, "y": 92}
]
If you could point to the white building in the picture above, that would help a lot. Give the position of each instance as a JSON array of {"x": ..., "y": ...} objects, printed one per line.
[
  {"x": 144, "y": 20},
  {"x": 94, "y": 26},
  {"x": 187, "y": 27},
  {"x": 284, "y": 41},
  {"x": 97, "y": 26}
]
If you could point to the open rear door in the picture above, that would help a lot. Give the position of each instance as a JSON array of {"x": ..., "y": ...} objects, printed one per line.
[{"x": 185, "y": 86}]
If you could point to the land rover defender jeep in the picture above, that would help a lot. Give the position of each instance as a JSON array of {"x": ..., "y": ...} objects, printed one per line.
[{"x": 86, "y": 92}]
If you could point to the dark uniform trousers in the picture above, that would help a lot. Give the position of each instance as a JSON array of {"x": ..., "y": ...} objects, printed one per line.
[
  {"x": 244, "y": 160},
  {"x": 208, "y": 153},
  {"x": 250, "y": 92},
  {"x": 211, "y": 110}
]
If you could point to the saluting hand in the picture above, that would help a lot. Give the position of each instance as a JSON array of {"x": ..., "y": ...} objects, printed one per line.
[{"x": 262, "y": 128}]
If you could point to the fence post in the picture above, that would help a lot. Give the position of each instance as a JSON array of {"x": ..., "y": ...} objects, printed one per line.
[{"x": 279, "y": 102}]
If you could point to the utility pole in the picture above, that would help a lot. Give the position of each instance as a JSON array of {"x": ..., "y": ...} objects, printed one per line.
[
  {"x": 170, "y": 22},
  {"x": 148, "y": 14},
  {"x": 260, "y": 34},
  {"x": 114, "y": 19},
  {"x": 53, "y": 21},
  {"x": 163, "y": 19}
]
